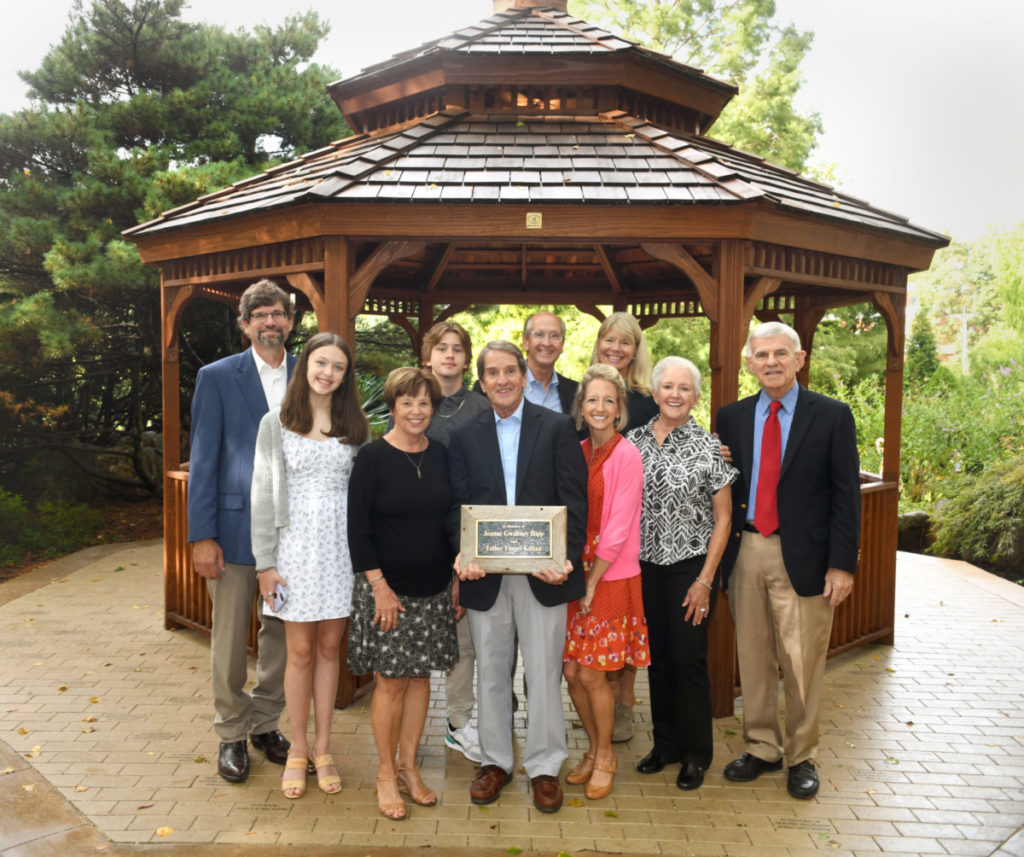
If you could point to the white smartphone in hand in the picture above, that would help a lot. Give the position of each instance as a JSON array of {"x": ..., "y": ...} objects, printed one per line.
[{"x": 280, "y": 597}]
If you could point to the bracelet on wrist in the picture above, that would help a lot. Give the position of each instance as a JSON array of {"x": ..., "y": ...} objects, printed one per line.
[
  {"x": 374, "y": 580},
  {"x": 704, "y": 584}
]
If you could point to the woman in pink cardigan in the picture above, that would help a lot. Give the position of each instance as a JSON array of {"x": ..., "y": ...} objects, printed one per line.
[{"x": 606, "y": 629}]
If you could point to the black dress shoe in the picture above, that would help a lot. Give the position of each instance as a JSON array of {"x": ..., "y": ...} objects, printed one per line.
[
  {"x": 274, "y": 744},
  {"x": 233, "y": 761},
  {"x": 691, "y": 776},
  {"x": 653, "y": 762},
  {"x": 749, "y": 767},
  {"x": 802, "y": 781}
]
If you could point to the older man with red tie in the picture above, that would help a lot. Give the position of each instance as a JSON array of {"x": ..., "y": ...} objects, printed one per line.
[{"x": 793, "y": 552}]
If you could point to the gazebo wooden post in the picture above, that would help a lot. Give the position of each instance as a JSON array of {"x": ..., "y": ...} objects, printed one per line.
[
  {"x": 339, "y": 266},
  {"x": 893, "y": 307},
  {"x": 728, "y": 331},
  {"x": 728, "y": 325},
  {"x": 175, "y": 541}
]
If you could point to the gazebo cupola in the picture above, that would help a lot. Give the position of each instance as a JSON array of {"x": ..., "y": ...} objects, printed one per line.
[{"x": 532, "y": 58}]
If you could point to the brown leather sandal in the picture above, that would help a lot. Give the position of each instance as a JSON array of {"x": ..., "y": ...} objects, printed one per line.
[
  {"x": 599, "y": 786},
  {"x": 409, "y": 782},
  {"x": 393, "y": 810},
  {"x": 581, "y": 773}
]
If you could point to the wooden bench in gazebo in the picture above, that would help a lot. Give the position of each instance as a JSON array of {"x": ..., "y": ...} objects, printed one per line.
[{"x": 535, "y": 159}]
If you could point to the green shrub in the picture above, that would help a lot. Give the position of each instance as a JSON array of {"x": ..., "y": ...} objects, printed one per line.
[
  {"x": 983, "y": 522},
  {"x": 50, "y": 529}
]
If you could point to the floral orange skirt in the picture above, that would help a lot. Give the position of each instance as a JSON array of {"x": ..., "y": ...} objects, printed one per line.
[{"x": 614, "y": 633}]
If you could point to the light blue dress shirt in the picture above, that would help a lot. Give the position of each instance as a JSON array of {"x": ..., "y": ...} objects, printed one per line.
[
  {"x": 537, "y": 395},
  {"x": 761, "y": 411},
  {"x": 509, "y": 430}
]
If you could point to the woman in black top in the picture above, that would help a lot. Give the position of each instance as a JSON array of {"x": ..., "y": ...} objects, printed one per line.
[
  {"x": 620, "y": 344},
  {"x": 403, "y": 619}
]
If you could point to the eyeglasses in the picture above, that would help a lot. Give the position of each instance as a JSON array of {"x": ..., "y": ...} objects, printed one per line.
[
  {"x": 541, "y": 335},
  {"x": 276, "y": 315}
]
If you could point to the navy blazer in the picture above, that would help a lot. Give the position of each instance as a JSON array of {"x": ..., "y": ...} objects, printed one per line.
[
  {"x": 550, "y": 471},
  {"x": 227, "y": 407},
  {"x": 819, "y": 487}
]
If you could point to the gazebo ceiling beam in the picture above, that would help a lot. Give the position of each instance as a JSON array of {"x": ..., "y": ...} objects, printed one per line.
[
  {"x": 705, "y": 284},
  {"x": 440, "y": 267},
  {"x": 378, "y": 260},
  {"x": 609, "y": 268}
]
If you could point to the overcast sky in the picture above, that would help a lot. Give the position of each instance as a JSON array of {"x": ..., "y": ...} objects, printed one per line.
[{"x": 922, "y": 100}]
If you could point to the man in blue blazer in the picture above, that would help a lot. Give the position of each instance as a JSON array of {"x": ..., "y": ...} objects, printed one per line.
[
  {"x": 518, "y": 453},
  {"x": 231, "y": 397},
  {"x": 793, "y": 552}
]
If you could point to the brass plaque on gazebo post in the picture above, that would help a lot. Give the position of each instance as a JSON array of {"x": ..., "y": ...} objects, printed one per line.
[{"x": 513, "y": 539}]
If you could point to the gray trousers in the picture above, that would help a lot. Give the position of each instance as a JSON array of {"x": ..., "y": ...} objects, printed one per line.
[
  {"x": 238, "y": 712},
  {"x": 541, "y": 641}
]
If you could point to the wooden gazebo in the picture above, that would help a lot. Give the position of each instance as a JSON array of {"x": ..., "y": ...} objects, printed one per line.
[{"x": 535, "y": 159}]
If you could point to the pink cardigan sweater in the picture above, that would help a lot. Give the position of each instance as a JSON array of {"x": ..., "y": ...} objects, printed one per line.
[{"x": 619, "y": 541}]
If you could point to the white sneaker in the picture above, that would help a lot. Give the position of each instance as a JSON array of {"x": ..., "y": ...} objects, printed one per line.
[{"x": 466, "y": 740}]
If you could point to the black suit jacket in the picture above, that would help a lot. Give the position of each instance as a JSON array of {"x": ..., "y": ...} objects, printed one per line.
[
  {"x": 550, "y": 471},
  {"x": 819, "y": 487}
]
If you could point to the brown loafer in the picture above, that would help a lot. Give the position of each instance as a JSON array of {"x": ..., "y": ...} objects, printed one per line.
[
  {"x": 547, "y": 793},
  {"x": 488, "y": 784}
]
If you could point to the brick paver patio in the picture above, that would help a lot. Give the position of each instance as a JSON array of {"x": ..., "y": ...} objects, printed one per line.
[{"x": 106, "y": 744}]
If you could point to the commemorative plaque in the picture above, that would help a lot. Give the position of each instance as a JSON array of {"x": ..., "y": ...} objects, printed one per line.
[{"x": 513, "y": 539}]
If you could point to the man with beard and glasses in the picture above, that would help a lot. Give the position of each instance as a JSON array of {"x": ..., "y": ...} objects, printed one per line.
[{"x": 231, "y": 396}]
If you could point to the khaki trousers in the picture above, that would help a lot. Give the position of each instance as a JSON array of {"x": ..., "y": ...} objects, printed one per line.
[
  {"x": 239, "y": 712},
  {"x": 458, "y": 683},
  {"x": 776, "y": 628}
]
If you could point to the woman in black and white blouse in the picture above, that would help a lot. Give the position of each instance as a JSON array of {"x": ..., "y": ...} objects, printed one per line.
[{"x": 684, "y": 527}]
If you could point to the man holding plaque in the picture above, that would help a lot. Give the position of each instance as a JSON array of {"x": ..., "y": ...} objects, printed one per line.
[{"x": 518, "y": 454}]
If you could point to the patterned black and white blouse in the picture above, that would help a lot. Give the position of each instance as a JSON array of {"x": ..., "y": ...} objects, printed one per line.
[{"x": 680, "y": 478}]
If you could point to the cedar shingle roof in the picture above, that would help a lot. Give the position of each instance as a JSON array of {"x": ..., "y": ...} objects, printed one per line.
[
  {"x": 534, "y": 31},
  {"x": 459, "y": 157}
]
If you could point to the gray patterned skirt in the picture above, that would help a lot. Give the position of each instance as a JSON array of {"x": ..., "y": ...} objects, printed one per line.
[{"x": 424, "y": 640}]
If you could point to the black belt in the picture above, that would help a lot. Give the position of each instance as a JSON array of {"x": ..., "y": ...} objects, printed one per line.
[{"x": 750, "y": 528}]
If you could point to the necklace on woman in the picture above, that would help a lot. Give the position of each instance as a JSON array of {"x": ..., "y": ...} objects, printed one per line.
[{"x": 418, "y": 467}]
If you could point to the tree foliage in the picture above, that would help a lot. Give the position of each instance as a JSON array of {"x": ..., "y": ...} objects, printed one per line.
[
  {"x": 983, "y": 280},
  {"x": 737, "y": 41},
  {"x": 134, "y": 111},
  {"x": 922, "y": 351}
]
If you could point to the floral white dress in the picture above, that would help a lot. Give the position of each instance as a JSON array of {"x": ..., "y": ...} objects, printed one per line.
[{"x": 312, "y": 553}]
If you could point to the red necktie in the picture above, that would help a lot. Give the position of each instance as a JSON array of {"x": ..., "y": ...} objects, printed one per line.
[{"x": 766, "y": 505}]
